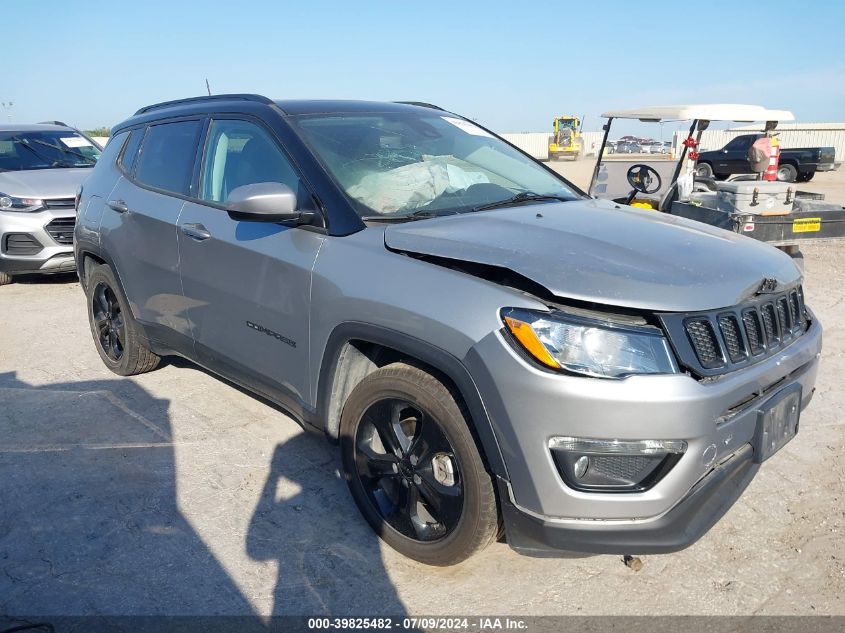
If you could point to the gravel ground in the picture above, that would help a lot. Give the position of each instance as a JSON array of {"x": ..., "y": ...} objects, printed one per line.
[{"x": 176, "y": 493}]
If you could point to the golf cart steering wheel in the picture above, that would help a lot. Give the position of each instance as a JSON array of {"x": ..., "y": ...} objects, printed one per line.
[{"x": 644, "y": 179}]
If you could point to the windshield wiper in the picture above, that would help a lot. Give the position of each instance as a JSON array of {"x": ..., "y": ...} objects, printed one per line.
[
  {"x": 523, "y": 196},
  {"x": 49, "y": 160},
  {"x": 422, "y": 214},
  {"x": 65, "y": 150}
]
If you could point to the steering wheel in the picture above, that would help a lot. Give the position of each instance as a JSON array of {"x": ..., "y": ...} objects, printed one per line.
[{"x": 642, "y": 177}]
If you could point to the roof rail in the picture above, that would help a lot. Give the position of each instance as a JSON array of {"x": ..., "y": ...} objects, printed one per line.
[
  {"x": 231, "y": 97},
  {"x": 53, "y": 123},
  {"x": 422, "y": 104}
]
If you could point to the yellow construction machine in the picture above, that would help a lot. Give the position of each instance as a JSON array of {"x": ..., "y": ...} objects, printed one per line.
[{"x": 566, "y": 140}]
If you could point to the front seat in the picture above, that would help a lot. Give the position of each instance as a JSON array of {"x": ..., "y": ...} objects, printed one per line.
[{"x": 256, "y": 162}]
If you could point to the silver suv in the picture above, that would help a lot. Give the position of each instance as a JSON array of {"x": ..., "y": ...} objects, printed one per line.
[
  {"x": 41, "y": 169},
  {"x": 495, "y": 353}
]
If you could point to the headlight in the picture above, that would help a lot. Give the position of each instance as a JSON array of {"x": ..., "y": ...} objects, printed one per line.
[
  {"x": 24, "y": 205},
  {"x": 590, "y": 347}
]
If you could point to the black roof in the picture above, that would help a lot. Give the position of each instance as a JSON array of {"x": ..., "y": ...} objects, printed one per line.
[
  {"x": 249, "y": 102},
  {"x": 293, "y": 106},
  {"x": 329, "y": 106}
]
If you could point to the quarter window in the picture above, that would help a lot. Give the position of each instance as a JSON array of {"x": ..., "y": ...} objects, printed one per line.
[
  {"x": 113, "y": 147},
  {"x": 167, "y": 156},
  {"x": 127, "y": 159},
  {"x": 242, "y": 153}
]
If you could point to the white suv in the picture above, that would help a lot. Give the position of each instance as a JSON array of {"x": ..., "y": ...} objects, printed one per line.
[{"x": 41, "y": 169}]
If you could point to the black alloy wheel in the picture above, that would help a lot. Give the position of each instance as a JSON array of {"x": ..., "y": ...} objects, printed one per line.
[
  {"x": 108, "y": 321},
  {"x": 414, "y": 468},
  {"x": 409, "y": 470}
]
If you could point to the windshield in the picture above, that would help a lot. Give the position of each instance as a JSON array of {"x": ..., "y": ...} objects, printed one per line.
[
  {"x": 394, "y": 165},
  {"x": 45, "y": 149},
  {"x": 652, "y": 143}
]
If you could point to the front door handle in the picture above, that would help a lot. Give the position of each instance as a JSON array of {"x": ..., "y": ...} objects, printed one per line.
[
  {"x": 196, "y": 231},
  {"x": 118, "y": 205}
]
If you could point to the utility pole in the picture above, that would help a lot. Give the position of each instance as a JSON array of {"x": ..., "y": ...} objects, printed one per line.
[{"x": 7, "y": 106}]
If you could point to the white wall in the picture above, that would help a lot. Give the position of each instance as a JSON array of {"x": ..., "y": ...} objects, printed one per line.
[
  {"x": 534, "y": 143},
  {"x": 537, "y": 143}
]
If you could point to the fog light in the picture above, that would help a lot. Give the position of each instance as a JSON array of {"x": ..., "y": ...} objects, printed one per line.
[
  {"x": 614, "y": 465},
  {"x": 581, "y": 466}
]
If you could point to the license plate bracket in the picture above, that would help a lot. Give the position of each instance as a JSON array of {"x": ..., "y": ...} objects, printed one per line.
[{"x": 777, "y": 422}]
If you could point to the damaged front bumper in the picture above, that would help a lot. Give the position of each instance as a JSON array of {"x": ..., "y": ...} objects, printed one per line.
[{"x": 717, "y": 420}]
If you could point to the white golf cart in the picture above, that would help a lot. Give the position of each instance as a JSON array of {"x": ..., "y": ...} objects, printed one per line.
[{"x": 770, "y": 211}]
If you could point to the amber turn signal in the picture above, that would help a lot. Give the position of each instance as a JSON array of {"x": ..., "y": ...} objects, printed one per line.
[{"x": 524, "y": 333}]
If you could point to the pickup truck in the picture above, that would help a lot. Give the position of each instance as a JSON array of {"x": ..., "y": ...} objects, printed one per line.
[{"x": 795, "y": 165}]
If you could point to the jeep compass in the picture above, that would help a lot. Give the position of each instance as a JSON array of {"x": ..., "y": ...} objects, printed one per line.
[{"x": 495, "y": 353}]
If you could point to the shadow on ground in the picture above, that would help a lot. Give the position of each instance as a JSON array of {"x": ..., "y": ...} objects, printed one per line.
[
  {"x": 54, "y": 279},
  {"x": 90, "y": 523}
]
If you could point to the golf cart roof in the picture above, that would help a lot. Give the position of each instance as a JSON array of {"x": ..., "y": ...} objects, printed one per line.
[{"x": 706, "y": 111}]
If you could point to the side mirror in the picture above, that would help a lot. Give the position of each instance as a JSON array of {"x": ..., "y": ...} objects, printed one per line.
[{"x": 263, "y": 202}]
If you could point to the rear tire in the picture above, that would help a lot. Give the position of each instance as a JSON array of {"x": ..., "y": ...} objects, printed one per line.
[
  {"x": 413, "y": 467},
  {"x": 116, "y": 335},
  {"x": 805, "y": 177},
  {"x": 787, "y": 173},
  {"x": 5, "y": 279}
]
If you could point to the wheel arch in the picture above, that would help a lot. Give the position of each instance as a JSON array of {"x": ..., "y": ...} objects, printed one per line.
[
  {"x": 87, "y": 258},
  {"x": 86, "y": 261},
  {"x": 354, "y": 350}
]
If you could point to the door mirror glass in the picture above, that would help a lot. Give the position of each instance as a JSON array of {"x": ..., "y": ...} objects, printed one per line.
[{"x": 263, "y": 202}]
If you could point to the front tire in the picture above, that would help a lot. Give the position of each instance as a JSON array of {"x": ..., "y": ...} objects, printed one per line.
[
  {"x": 704, "y": 170},
  {"x": 787, "y": 173},
  {"x": 116, "y": 335},
  {"x": 413, "y": 467},
  {"x": 5, "y": 279}
]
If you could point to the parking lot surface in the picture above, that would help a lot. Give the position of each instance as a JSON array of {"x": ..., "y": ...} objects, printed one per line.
[{"x": 176, "y": 493}]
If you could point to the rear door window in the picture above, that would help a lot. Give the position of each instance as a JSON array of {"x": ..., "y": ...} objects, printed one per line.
[{"x": 167, "y": 156}]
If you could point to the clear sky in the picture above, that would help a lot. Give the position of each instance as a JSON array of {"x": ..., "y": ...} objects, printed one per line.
[{"x": 510, "y": 65}]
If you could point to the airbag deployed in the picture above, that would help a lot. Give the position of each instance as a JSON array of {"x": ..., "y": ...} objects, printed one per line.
[{"x": 413, "y": 186}]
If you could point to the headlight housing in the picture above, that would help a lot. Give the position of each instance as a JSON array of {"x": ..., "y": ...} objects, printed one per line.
[
  {"x": 23, "y": 205},
  {"x": 590, "y": 347}
]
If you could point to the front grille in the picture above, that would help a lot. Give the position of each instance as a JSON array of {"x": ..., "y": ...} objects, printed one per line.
[
  {"x": 734, "y": 343},
  {"x": 770, "y": 323},
  {"x": 712, "y": 343},
  {"x": 20, "y": 244},
  {"x": 754, "y": 331},
  {"x": 795, "y": 307},
  {"x": 61, "y": 230},
  {"x": 704, "y": 341},
  {"x": 60, "y": 203}
]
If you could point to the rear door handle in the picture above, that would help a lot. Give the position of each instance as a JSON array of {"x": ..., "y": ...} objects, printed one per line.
[
  {"x": 118, "y": 205},
  {"x": 196, "y": 231}
]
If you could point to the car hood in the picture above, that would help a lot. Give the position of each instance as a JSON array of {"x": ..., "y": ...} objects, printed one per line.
[
  {"x": 597, "y": 251},
  {"x": 43, "y": 183}
]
